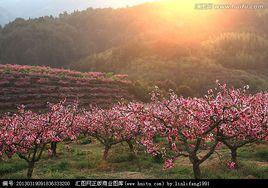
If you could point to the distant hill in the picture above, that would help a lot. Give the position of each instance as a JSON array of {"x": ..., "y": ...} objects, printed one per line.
[
  {"x": 35, "y": 86},
  {"x": 154, "y": 43},
  {"x": 171, "y": 65},
  {"x": 36, "y": 8}
]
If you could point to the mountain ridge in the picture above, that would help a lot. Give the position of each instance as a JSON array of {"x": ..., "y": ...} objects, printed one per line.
[
  {"x": 153, "y": 47},
  {"x": 37, "y": 8}
]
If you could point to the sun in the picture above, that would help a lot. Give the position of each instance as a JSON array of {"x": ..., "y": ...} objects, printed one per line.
[
  {"x": 172, "y": 10},
  {"x": 179, "y": 5}
]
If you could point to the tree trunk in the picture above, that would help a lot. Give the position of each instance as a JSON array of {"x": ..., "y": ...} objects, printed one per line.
[
  {"x": 197, "y": 171},
  {"x": 30, "y": 170},
  {"x": 234, "y": 155},
  {"x": 53, "y": 148},
  {"x": 130, "y": 145},
  {"x": 105, "y": 153},
  {"x": 131, "y": 148}
]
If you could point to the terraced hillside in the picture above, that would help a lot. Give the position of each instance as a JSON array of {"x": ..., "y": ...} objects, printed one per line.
[{"x": 34, "y": 86}]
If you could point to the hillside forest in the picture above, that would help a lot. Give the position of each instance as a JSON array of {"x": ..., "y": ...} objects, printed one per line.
[{"x": 153, "y": 43}]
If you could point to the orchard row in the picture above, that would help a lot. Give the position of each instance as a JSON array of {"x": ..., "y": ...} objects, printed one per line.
[
  {"x": 55, "y": 72},
  {"x": 33, "y": 86},
  {"x": 170, "y": 126}
]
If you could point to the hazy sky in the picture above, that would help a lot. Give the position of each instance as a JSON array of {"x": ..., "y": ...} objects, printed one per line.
[
  {"x": 11, "y": 4},
  {"x": 11, "y": 9}
]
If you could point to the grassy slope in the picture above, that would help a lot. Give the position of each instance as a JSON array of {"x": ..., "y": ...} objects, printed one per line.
[
  {"x": 150, "y": 67},
  {"x": 84, "y": 161}
]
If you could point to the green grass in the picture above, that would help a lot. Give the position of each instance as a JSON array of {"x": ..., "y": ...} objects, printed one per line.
[
  {"x": 84, "y": 160},
  {"x": 257, "y": 152},
  {"x": 11, "y": 166}
]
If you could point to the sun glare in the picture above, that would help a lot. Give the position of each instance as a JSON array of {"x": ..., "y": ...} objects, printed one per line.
[
  {"x": 179, "y": 7},
  {"x": 180, "y": 11}
]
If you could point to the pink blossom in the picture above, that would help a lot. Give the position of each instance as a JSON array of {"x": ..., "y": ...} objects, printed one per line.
[
  {"x": 169, "y": 163},
  {"x": 231, "y": 165}
]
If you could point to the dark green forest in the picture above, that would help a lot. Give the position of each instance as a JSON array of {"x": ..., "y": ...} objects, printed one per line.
[{"x": 154, "y": 47}]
